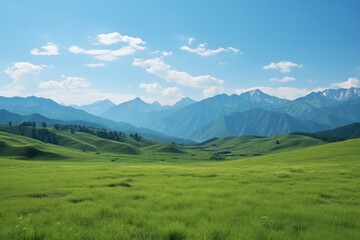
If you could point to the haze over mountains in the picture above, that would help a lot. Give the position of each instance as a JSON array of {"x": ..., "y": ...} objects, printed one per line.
[{"x": 250, "y": 113}]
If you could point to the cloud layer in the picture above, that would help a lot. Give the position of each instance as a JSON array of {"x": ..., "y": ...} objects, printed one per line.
[
  {"x": 203, "y": 51},
  {"x": 133, "y": 45},
  {"x": 159, "y": 68},
  {"x": 168, "y": 95},
  {"x": 351, "y": 82},
  {"x": 69, "y": 83},
  {"x": 284, "y": 79},
  {"x": 283, "y": 66}
]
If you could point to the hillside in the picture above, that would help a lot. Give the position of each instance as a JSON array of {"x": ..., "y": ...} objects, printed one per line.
[
  {"x": 145, "y": 149},
  {"x": 19, "y": 147}
]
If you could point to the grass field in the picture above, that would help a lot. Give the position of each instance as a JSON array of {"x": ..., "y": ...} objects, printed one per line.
[{"x": 309, "y": 193}]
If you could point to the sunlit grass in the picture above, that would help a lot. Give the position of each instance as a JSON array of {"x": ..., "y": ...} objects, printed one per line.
[{"x": 304, "y": 194}]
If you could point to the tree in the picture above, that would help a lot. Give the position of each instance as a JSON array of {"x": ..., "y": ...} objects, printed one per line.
[
  {"x": 43, "y": 124},
  {"x": 277, "y": 142},
  {"x": 10, "y": 123}
]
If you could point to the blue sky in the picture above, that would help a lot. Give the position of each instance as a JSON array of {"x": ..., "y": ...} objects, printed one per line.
[{"x": 78, "y": 52}]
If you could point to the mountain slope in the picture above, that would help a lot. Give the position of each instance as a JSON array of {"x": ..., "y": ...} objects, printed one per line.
[
  {"x": 317, "y": 100},
  {"x": 256, "y": 122},
  {"x": 187, "y": 120},
  {"x": 330, "y": 97},
  {"x": 335, "y": 116}
]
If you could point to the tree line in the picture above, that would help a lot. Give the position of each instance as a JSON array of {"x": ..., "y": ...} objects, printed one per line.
[{"x": 42, "y": 133}]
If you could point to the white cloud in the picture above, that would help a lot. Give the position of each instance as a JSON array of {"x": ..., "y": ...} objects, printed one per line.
[
  {"x": 159, "y": 68},
  {"x": 165, "y": 54},
  {"x": 23, "y": 75},
  {"x": 133, "y": 45},
  {"x": 280, "y": 92},
  {"x": 283, "y": 66},
  {"x": 191, "y": 40},
  {"x": 234, "y": 50},
  {"x": 82, "y": 96},
  {"x": 115, "y": 37},
  {"x": 284, "y": 79},
  {"x": 104, "y": 54},
  {"x": 201, "y": 50},
  {"x": 21, "y": 68},
  {"x": 152, "y": 88},
  {"x": 69, "y": 83},
  {"x": 351, "y": 82},
  {"x": 94, "y": 65},
  {"x": 163, "y": 95},
  {"x": 48, "y": 50},
  {"x": 212, "y": 91},
  {"x": 76, "y": 90},
  {"x": 76, "y": 50}
]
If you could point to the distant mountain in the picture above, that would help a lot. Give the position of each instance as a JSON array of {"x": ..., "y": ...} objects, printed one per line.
[
  {"x": 188, "y": 119},
  {"x": 142, "y": 114},
  {"x": 97, "y": 108},
  {"x": 334, "y": 107},
  {"x": 130, "y": 110},
  {"x": 53, "y": 110},
  {"x": 344, "y": 132},
  {"x": 342, "y": 94},
  {"x": 256, "y": 122},
  {"x": 329, "y": 97},
  {"x": 191, "y": 118},
  {"x": 6, "y": 117},
  {"x": 337, "y": 115}
]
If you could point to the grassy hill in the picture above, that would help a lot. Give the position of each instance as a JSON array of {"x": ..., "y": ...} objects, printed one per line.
[
  {"x": 309, "y": 193},
  {"x": 19, "y": 147},
  {"x": 145, "y": 149},
  {"x": 248, "y": 146}
]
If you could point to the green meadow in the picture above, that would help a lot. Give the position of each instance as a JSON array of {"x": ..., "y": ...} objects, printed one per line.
[{"x": 285, "y": 187}]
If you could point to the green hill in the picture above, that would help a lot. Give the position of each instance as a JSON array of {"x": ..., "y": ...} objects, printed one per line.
[
  {"x": 247, "y": 146},
  {"x": 88, "y": 142},
  {"x": 144, "y": 149},
  {"x": 20, "y": 147}
]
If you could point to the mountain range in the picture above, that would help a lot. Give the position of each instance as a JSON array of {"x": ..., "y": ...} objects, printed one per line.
[{"x": 250, "y": 113}]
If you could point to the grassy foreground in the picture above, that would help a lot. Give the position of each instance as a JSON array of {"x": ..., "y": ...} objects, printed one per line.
[{"x": 311, "y": 193}]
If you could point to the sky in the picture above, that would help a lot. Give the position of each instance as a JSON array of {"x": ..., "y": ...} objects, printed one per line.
[{"x": 79, "y": 52}]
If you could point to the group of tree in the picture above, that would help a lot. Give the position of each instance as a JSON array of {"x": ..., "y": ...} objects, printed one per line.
[
  {"x": 45, "y": 135},
  {"x": 29, "y": 129},
  {"x": 101, "y": 133},
  {"x": 135, "y": 136}
]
